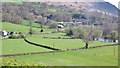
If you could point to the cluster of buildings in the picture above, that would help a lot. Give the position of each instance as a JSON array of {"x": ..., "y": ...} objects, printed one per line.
[
  {"x": 4, "y": 33},
  {"x": 65, "y": 24}
]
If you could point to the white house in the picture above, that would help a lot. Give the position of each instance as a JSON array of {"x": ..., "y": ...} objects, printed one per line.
[
  {"x": 3, "y": 33},
  {"x": 60, "y": 26}
]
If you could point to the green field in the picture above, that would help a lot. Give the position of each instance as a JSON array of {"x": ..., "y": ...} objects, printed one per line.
[
  {"x": 104, "y": 56},
  {"x": 12, "y": 46},
  {"x": 91, "y": 57},
  {"x": 17, "y": 28},
  {"x": 62, "y": 43}
]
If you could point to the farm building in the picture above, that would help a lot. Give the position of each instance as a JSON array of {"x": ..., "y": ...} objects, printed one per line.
[
  {"x": 3, "y": 33},
  {"x": 60, "y": 26}
]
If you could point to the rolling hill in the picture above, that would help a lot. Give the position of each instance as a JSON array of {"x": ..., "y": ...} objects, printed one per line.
[{"x": 101, "y": 6}]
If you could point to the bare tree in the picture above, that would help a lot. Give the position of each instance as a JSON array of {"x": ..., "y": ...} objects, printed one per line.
[
  {"x": 31, "y": 19},
  {"x": 83, "y": 32},
  {"x": 114, "y": 35},
  {"x": 87, "y": 37}
]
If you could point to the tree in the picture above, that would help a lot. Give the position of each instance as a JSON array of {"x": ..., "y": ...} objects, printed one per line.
[
  {"x": 87, "y": 37},
  {"x": 83, "y": 32},
  {"x": 31, "y": 19},
  {"x": 69, "y": 32},
  {"x": 97, "y": 32},
  {"x": 6, "y": 17},
  {"x": 78, "y": 32},
  {"x": 52, "y": 24},
  {"x": 16, "y": 19},
  {"x": 114, "y": 35}
]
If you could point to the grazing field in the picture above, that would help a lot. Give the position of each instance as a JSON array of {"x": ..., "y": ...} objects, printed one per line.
[
  {"x": 91, "y": 57},
  {"x": 104, "y": 56},
  {"x": 12, "y": 46},
  {"x": 17, "y": 28},
  {"x": 23, "y": 27},
  {"x": 62, "y": 43}
]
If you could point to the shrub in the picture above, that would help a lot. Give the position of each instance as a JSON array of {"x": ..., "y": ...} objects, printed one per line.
[
  {"x": 69, "y": 32},
  {"x": 13, "y": 62},
  {"x": 21, "y": 35},
  {"x": 31, "y": 31}
]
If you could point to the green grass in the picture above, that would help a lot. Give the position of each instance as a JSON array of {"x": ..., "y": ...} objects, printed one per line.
[
  {"x": 26, "y": 23},
  {"x": 62, "y": 43},
  {"x": 52, "y": 10},
  {"x": 12, "y": 46},
  {"x": 90, "y": 57},
  {"x": 23, "y": 27},
  {"x": 17, "y": 28},
  {"x": 103, "y": 56},
  {"x": 34, "y": 25},
  {"x": 11, "y": 0}
]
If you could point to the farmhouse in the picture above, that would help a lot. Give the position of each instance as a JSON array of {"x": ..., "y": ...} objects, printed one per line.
[
  {"x": 60, "y": 26},
  {"x": 3, "y": 33}
]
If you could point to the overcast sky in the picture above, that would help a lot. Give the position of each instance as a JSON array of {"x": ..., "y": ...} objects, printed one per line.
[{"x": 114, "y": 2}]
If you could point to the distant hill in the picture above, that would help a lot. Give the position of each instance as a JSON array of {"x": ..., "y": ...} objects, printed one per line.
[
  {"x": 48, "y": 12},
  {"x": 102, "y": 6},
  {"x": 98, "y": 4},
  {"x": 106, "y": 6}
]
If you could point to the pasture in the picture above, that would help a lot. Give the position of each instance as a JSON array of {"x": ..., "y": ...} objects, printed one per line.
[
  {"x": 90, "y": 57},
  {"x": 104, "y": 56}
]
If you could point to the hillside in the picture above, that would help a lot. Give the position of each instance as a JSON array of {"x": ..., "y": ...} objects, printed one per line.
[
  {"x": 101, "y": 6},
  {"x": 107, "y": 7},
  {"x": 47, "y": 12}
]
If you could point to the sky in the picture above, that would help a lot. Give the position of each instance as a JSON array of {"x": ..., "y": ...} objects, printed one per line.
[{"x": 114, "y": 2}]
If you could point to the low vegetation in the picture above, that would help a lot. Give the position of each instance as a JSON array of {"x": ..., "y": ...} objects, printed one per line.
[{"x": 13, "y": 62}]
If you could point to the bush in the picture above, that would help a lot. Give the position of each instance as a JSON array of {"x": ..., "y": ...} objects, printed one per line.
[
  {"x": 21, "y": 35},
  {"x": 31, "y": 31},
  {"x": 13, "y": 62},
  {"x": 69, "y": 32}
]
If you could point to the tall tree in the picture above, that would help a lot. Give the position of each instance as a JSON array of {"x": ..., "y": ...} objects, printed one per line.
[{"x": 31, "y": 19}]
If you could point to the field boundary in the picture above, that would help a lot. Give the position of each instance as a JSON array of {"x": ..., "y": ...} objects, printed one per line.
[
  {"x": 40, "y": 45},
  {"x": 46, "y": 52}
]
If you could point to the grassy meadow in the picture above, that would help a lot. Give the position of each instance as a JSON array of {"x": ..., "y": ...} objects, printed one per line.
[
  {"x": 90, "y": 57},
  {"x": 104, "y": 56}
]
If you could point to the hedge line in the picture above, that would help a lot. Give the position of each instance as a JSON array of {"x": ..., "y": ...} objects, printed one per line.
[
  {"x": 40, "y": 45},
  {"x": 57, "y": 38}
]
